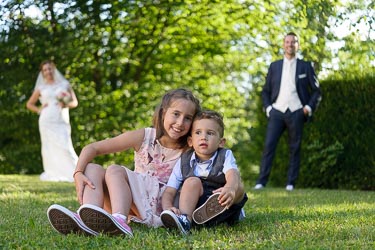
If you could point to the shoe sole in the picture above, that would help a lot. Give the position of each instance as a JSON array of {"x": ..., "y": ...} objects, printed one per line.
[
  {"x": 210, "y": 209},
  {"x": 63, "y": 223},
  {"x": 170, "y": 220},
  {"x": 101, "y": 221}
]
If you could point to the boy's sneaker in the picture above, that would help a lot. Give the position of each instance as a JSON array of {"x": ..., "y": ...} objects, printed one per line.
[
  {"x": 210, "y": 209},
  {"x": 65, "y": 221},
  {"x": 171, "y": 220},
  {"x": 101, "y": 221}
]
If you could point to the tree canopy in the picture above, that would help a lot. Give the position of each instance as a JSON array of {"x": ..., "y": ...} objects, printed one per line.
[{"x": 121, "y": 56}]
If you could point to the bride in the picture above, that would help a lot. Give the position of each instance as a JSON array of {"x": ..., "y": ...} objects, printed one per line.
[{"x": 56, "y": 97}]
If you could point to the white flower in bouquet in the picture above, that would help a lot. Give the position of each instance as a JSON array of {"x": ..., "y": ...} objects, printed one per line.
[{"x": 64, "y": 97}]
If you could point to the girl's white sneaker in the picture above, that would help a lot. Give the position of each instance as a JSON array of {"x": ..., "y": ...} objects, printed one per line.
[
  {"x": 65, "y": 221},
  {"x": 101, "y": 221}
]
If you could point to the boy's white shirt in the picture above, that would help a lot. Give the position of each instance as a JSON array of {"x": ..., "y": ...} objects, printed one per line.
[{"x": 175, "y": 180}]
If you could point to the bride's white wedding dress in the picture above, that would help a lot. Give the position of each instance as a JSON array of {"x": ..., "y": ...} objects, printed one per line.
[{"x": 59, "y": 157}]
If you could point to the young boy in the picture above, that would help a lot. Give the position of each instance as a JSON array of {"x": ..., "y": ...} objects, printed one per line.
[{"x": 209, "y": 178}]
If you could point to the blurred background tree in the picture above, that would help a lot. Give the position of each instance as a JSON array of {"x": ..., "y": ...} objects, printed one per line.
[{"x": 122, "y": 56}]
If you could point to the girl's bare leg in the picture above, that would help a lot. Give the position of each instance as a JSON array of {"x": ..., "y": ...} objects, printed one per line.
[
  {"x": 98, "y": 196},
  {"x": 118, "y": 189}
]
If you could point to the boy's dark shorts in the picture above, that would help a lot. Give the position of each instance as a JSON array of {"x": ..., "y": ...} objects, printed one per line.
[{"x": 229, "y": 216}]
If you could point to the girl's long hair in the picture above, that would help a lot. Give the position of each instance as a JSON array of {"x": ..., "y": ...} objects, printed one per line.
[{"x": 167, "y": 100}]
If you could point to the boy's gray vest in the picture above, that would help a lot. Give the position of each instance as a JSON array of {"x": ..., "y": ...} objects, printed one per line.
[{"x": 216, "y": 177}]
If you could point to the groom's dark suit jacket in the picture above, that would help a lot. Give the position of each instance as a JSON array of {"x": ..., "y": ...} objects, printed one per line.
[{"x": 306, "y": 82}]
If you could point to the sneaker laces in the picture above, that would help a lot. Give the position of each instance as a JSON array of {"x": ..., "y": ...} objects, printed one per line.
[{"x": 120, "y": 216}]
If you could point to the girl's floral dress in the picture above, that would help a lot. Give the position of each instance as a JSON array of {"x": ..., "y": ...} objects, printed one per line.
[{"x": 153, "y": 166}]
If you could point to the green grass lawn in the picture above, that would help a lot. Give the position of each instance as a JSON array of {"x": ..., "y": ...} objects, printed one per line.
[{"x": 276, "y": 219}]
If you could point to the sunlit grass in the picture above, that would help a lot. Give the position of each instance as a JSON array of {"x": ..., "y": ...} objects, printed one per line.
[{"x": 276, "y": 219}]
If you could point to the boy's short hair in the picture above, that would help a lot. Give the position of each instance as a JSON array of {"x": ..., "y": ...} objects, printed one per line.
[{"x": 212, "y": 115}]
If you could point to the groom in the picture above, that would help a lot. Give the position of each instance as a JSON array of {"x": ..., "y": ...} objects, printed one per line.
[{"x": 290, "y": 96}]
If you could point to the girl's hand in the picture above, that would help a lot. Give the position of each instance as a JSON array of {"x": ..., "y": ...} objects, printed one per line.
[
  {"x": 227, "y": 196},
  {"x": 81, "y": 181}
]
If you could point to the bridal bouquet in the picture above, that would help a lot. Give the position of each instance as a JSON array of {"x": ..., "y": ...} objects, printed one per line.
[{"x": 64, "y": 97}]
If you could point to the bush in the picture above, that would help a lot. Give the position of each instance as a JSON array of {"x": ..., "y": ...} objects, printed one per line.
[
  {"x": 343, "y": 130},
  {"x": 337, "y": 146}
]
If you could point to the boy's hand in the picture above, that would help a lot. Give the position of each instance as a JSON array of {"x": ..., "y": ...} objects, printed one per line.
[{"x": 226, "y": 197}]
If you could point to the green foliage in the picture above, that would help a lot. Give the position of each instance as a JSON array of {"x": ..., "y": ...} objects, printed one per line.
[
  {"x": 343, "y": 128},
  {"x": 321, "y": 164},
  {"x": 275, "y": 219},
  {"x": 120, "y": 58},
  {"x": 354, "y": 53}
]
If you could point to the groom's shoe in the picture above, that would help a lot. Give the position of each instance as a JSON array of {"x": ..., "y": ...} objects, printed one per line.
[
  {"x": 289, "y": 188},
  {"x": 65, "y": 221},
  {"x": 258, "y": 186}
]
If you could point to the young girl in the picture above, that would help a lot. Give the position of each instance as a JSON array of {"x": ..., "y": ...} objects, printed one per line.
[{"x": 111, "y": 198}]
